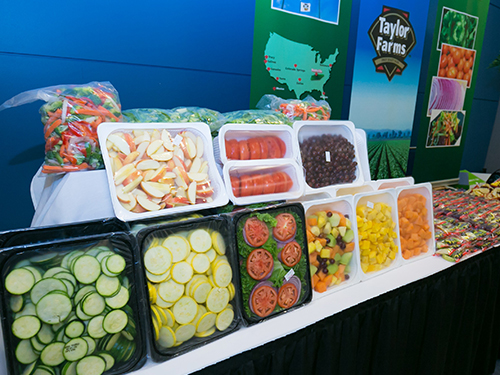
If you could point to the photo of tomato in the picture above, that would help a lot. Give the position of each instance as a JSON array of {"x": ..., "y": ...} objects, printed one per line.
[
  {"x": 291, "y": 254},
  {"x": 456, "y": 63},
  {"x": 263, "y": 300},
  {"x": 256, "y": 232},
  {"x": 260, "y": 264},
  {"x": 285, "y": 228}
]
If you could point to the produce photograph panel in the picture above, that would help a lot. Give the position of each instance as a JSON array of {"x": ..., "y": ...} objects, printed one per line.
[
  {"x": 445, "y": 129},
  {"x": 456, "y": 63},
  {"x": 446, "y": 94},
  {"x": 457, "y": 28}
]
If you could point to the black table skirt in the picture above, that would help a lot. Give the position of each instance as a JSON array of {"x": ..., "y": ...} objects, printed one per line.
[{"x": 447, "y": 323}]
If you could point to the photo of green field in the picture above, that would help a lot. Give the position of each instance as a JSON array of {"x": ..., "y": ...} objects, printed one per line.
[{"x": 388, "y": 158}]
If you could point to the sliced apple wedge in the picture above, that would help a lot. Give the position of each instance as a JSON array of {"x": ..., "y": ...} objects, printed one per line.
[
  {"x": 152, "y": 191},
  {"x": 147, "y": 204},
  {"x": 120, "y": 143},
  {"x": 148, "y": 174},
  {"x": 200, "y": 147},
  {"x": 159, "y": 173},
  {"x": 179, "y": 153},
  {"x": 191, "y": 192},
  {"x": 198, "y": 177},
  {"x": 141, "y": 149},
  {"x": 117, "y": 164},
  {"x": 179, "y": 180},
  {"x": 123, "y": 197},
  {"x": 144, "y": 137},
  {"x": 155, "y": 135},
  {"x": 123, "y": 173},
  {"x": 133, "y": 184},
  {"x": 162, "y": 156},
  {"x": 146, "y": 164},
  {"x": 169, "y": 175},
  {"x": 204, "y": 167},
  {"x": 164, "y": 187},
  {"x": 154, "y": 147},
  {"x": 167, "y": 140},
  {"x": 184, "y": 149},
  {"x": 191, "y": 147},
  {"x": 195, "y": 165},
  {"x": 130, "y": 205},
  {"x": 181, "y": 192},
  {"x": 131, "y": 157},
  {"x": 205, "y": 193},
  {"x": 188, "y": 134}
]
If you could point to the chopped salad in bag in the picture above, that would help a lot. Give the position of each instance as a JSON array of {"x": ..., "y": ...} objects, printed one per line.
[
  {"x": 296, "y": 109},
  {"x": 70, "y": 118}
]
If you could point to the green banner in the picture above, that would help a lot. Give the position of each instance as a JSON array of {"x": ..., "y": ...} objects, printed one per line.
[
  {"x": 300, "y": 49},
  {"x": 453, "y": 65}
]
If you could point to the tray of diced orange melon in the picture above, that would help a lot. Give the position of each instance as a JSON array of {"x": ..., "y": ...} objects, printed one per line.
[{"x": 330, "y": 241}]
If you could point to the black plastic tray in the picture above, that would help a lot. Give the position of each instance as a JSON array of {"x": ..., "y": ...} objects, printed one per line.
[
  {"x": 121, "y": 243},
  {"x": 221, "y": 223},
  {"x": 301, "y": 269}
]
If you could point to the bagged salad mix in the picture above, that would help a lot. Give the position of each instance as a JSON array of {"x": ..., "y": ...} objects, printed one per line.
[
  {"x": 296, "y": 109},
  {"x": 70, "y": 117},
  {"x": 256, "y": 116}
]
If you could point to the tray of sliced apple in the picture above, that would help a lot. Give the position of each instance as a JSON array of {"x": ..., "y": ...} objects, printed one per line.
[{"x": 160, "y": 169}]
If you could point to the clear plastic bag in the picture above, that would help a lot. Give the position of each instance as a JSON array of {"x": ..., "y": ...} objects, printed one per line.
[
  {"x": 70, "y": 118},
  {"x": 296, "y": 109},
  {"x": 256, "y": 116}
]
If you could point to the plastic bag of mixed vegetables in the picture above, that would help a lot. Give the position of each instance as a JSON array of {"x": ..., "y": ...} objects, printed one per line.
[
  {"x": 295, "y": 109},
  {"x": 256, "y": 116},
  {"x": 210, "y": 117},
  {"x": 70, "y": 118}
]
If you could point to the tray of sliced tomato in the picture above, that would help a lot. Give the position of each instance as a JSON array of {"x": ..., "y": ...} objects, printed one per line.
[{"x": 274, "y": 266}]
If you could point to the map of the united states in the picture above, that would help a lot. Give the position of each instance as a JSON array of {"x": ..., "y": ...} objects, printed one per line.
[{"x": 297, "y": 65}]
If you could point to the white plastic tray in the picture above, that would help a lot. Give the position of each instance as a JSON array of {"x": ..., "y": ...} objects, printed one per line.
[
  {"x": 424, "y": 189},
  {"x": 393, "y": 182},
  {"x": 246, "y": 131},
  {"x": 248, "y": 167},
  {"x": 307, "y": 129},
  {"x": 199, "y": 129},
  {"x": 389, "y": 197},
  {"x": 345, "y": 205},
  {"x": 366, "y": 187}
]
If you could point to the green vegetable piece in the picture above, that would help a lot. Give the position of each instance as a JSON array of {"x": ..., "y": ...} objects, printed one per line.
[
  {"x": 346, "y": 259},
  {"x": 332, "y": 268},
  {"x": 348, "y": 236}
]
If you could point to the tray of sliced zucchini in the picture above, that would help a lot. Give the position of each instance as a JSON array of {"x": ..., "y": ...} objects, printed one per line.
[
  {"x": 189, "y": 270},
  {"x": 72, "y": 307}
]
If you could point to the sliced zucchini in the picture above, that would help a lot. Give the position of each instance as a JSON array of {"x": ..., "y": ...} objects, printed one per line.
[
  {"x": 53, "y": 271},
  {"x": 36, "y": 272},
  {"x": 120, "y": 300},
  {"x": 86, "y": 269},
  {"x": 115, "y": 264},
  {"x": 19, "y": 281},
  {"x": 54, "y": 308},
  {"x": 16, "y": 303},
  {"x": 37, "y": 345},
  {"x": 107, "y": 286},
  {"x": 91, "y": 343},
  {"x": 52, "y": 355},
  {"x": 115, "y": 321},
  {"x": 82, "y": 292},
  {"x": 26, "y": 327},
  {"x": 95, "y": 329},
  {"x": 66, "y": 275},
  {"x": 69, "y": 368},
  {"x": 109, "y": 359},
  {"x": 45, "y": 286},
  {"x": 43, "y": 371},
  {"x": 69, "y": 287},
  {"x": 91, "y": 365},
  {"x": 46, "y": 334},
  {"x": 93, "y": 304},
  {"x": 75, "y": 349},
  {"x": 25, "y": 353},
  {"x": 74, "y": 329}
]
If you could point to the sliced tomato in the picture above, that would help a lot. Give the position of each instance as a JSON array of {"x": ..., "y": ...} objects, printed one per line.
[
  {"x": 269, "y": 184},
  {"x": 258, "y": 184},
  {"x": 232, "y": 149},
  {"x": 259, "y": 264},
  {"x": 291, "y": 253},
  {"x": 282, "y": 145},
  {"x": 263, "y": 148},
  {"x": 244, "y": 150},
  {"x": 288, "y": 295},
  {"x": 279, "y": 180},
  {"x": 285, "y": 227},
  {"x": 264, "y": 300},
  {"x": 256, "y": 232},
  {"x": 288, "y": 181},
  {"x": 246, "y": 186},
  {"x": 235, "y": 185},
  {"x": 273, "y": 148},
  {"x": 254, "y": 146}
]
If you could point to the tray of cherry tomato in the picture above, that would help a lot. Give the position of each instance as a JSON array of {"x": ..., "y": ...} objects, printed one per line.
[{"x": 274, "y": 265}]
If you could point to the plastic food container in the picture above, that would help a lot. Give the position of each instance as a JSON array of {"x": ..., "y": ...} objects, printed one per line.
[
  {"x": 171, "y": 171},
  {"x": 416, "y": 221},
  {"x": 342, "y": 133},
  {"x": 272, "y": 251},
  {"x": 256, "y": 142},
  {"x": 393, "y": 182},
  {"x": 192, "y": 286},
  {"x": 366, "y": 187},
  {"x": 375, "y": 231},
  {"x": 72, "y": 303},
  {"x": 332, "y": 236},
  {"x": 266, "y": 176}
]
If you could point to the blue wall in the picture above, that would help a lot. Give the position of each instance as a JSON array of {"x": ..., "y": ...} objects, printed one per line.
[{"x": 156, "y": 54}]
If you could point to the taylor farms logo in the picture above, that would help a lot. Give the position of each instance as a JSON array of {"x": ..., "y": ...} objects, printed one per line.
[{"x": 393, "y": 38}]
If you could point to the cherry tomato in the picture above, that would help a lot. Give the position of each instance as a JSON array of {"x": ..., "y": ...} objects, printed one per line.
[
  {"x": 279, "y": 180},
  {"x": 282, "y": 145},
  {"x": 457, "y": 56},
  {"x": 254, "y": 146},
  {"x": 467, "y": 78},
  {"x": 452, "y": 50},
  {"x": 232, "y": 149},
  {"x": 258, "y": 184},
  {"x": 246, "y": 185},
  {"x": 288, "y": 295},
  {"x": 451, "y": 63},
  {"x": 460, "y": 75},
  {"x": 467, "y": 67},
  {"x": 285, "y": 227},
  {"x": 256, "y": 232},
  {"x": 259, "y": 263},
  {"x": 443, "y": 62},
  {"x": 291, "y": 254},
  {"x": 445, "y": 49},
  {"x": 263, "y": 148},
  {"x": 442, "y": 73},
  {"x": 264, "y": 300},
  {"x": 460, "y": 65},
  {"x": 452, "y": 72},
  {"x": 468, "y": 54},
  {"x": 235, "y": 185},
  {"x": 273, "y": 148},
  {"x": 269, "y": 184}
]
